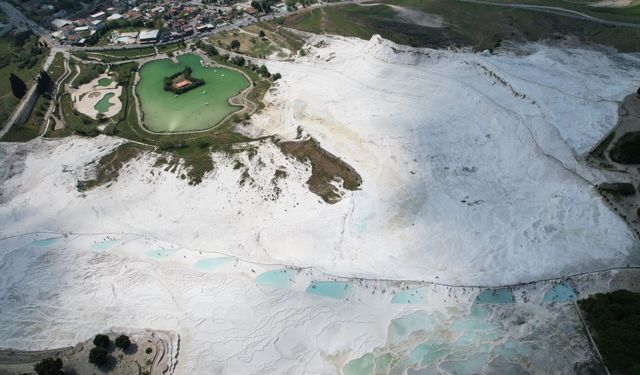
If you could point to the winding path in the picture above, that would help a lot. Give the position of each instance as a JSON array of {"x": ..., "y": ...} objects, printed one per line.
[{"x": 556, "y": 10}]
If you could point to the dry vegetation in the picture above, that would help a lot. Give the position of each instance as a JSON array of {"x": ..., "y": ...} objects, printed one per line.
[{"x": 327, "y": 170}]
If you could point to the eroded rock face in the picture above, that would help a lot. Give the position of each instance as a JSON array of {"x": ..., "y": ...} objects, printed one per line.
[{"x": 330, "y": 175}]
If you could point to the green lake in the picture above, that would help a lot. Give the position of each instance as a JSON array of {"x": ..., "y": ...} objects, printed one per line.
[
  {"x": 104, "y": 81},
  {"x": 197, "y": 109},
  {"x": 103, "y": 104}
]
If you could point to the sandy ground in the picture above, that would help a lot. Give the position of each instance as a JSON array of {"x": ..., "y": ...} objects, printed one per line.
[{"x": 86, "y": 96}]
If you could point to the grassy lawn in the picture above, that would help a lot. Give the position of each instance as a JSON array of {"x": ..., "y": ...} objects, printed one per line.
[
  {"x": 170, "y": 47},
  {"x": 129, "y": 52},
  {"x": 87, "y": 73},
  {"x": 624, "y": 14},
  {"x": 108, "y": 58},
  {"x": 24, "y": 61},
  {"x": 467, "y": 24},
  {"x": 32, "y": 127},
  {"x": 56, "y": 69}
]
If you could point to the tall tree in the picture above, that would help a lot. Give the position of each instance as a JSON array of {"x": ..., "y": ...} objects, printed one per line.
[
  {"x": 18, "y": 88},
  {"x": 44, "y": 83}
]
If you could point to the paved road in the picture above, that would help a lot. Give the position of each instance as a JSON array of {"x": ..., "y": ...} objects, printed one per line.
[
  {"x": 556, "y": 10},
  {"x": 19, "y": 20}
]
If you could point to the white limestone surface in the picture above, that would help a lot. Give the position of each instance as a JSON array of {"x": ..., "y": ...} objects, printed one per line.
[{"x": 470, "y": 164}]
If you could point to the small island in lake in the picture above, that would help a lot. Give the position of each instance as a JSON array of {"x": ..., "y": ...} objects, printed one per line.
[{"x": 181, "y": 82}]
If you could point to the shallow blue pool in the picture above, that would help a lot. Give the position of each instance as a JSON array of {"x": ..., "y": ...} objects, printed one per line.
[
  {"x": 410, "y": 296},
  {"x": 158, "y": 254},
  {"x": 281, "y": 278},
  {"x": 561, "y": 293},
  {"x": 332, "y": 289},
  {"x": 104, "y": 245},
  {"x": 45, "y": 242},
  {"x": 212, "y": 264},
  {"x": 495, "y": 296}
]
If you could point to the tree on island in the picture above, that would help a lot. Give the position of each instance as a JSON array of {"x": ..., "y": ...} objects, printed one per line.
[
  {"x": 48, "y": 366},
  {"x": 18, "y": 88},
  {"x": 101, "y": 341},
  {"x": 98, "y": 356},
  {"x": 123, "y": 342},
  {"x": 235, "y": 44}
]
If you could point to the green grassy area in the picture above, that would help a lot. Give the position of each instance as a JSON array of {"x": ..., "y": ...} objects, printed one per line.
[
  {"x": 56, "y": 69},
  {"x": 192, "y": 150},
  {"x": 466, "y": 24},
  {"x": 623, "y": 14},
  {"x": 129, "y": 52},
  {"x": 602, "y": 147},
  {"x": 614, "y": 321},
  {"x": 32, "y": 127},
  {"x": 107, "y": 58},
  {"x": 87, "y": 73},
  {"x": 76, "y": 122},
  {"x": 25, "y": 60},
  {"x": 627, "y": 149},
  {"x": 170, "y": 47}
]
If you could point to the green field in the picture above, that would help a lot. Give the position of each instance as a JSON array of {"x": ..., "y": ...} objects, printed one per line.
[
  {"x": 623, "y": 14},
  {"x": 466, "y": 24},
  {"x": 23, "y": 60},
  {"x": 56, "y": 69}
]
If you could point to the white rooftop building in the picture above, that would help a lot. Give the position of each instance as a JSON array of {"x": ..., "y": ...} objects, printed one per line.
[
  {"x": 98, "y": 15},
  {"x": 149, "y": 36},
  {"x": 115, "y": 16},
  {"x": 60, "y": 23}
]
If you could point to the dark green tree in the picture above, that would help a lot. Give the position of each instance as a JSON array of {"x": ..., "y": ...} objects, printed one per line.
[
  {"x": 123, "y": 342},
  {"x": 48, "y": 366},
  {"x": 98, "y": 356},
  {"x": 44, "y": 84},
  {"x": 101, "y": 341},
  {"x": 18, "y": 88},
  {"x": 262, "y": 34},
  {"x": 235, "y": 44}
]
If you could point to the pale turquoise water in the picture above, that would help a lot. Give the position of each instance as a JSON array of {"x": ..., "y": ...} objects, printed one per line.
[
  {"x": 364, "y": 365},
  {"x": 401, "y": 328},
  {"x": 332, "y": 289},
  {"x": 104, "y": 245},
  {"x": 495, "y": 296},
  {"x": 411, "y": 296},
  {"x": 196, "y": 109},
  {"x": 45, "y": 242},
  {"x": 455, "y": 342},
  {"x": 159, "y": 253},
  {"x": 561, "y": 293},
  {"x": 103, "y": 104},
  {"x": 212, "y": 264},
  {"x": 277, "y": 278}
]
